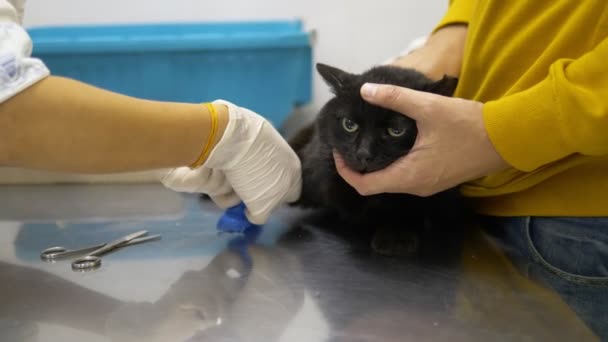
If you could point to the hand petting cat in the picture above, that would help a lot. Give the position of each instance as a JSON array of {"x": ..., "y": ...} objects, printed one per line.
[{"x": 452, "y": 146}]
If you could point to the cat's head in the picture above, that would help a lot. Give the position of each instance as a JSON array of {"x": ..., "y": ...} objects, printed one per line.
[{"x": 370, "y": 137}]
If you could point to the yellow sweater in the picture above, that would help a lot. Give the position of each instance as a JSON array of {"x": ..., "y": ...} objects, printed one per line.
[{"x": 541, "y": 68}]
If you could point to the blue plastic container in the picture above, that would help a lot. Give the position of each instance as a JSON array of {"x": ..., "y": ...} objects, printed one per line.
[{"x": 265, "y": 66}]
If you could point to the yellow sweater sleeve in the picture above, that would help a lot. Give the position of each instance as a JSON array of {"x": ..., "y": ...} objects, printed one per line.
[
  {"x": 459, "y": 12},
  {"x": 566, "y": 113}
]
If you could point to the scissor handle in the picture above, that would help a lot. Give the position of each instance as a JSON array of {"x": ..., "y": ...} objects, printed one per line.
[
  {"x": 52, "y": 253},
  {"x": 56, "y": 253},
  {"x": 86, "y": 263}
]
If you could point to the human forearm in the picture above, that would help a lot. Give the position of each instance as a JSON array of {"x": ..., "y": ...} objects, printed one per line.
[
  {"x": 64, "y": 125},
  {"x": 441, "y": 54}
]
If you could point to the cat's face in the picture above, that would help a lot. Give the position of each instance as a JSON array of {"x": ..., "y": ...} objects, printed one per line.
[{"x": 368, "y": 137}]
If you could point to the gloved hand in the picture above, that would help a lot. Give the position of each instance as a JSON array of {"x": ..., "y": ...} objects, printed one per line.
[{"x": 251, "y": 163}]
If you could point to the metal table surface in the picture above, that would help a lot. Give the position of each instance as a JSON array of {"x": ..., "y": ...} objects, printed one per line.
[{"x": 300, "y": 279}]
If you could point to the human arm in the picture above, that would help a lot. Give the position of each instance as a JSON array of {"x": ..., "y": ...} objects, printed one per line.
[
  {"x": 566, "y": 113},
  {"x": 64, "y": 125},
  {"x": 60, "y": 124},
  {"x": 442, "y": 52}
]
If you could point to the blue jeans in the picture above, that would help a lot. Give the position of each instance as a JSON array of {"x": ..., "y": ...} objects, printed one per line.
[{"x": 569, "y": 255}]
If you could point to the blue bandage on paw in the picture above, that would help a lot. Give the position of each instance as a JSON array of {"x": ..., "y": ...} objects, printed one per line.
[{"x": 235, "y": 221}]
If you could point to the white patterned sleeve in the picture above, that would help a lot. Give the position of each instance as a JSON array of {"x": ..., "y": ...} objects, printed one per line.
[{"x": 18, "y": 70}]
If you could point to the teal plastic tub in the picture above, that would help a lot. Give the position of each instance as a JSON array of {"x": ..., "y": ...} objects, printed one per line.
[{"x": 264, "y": 66}]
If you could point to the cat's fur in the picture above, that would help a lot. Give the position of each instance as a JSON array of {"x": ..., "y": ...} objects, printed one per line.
[{"x": 398, "y": 219}]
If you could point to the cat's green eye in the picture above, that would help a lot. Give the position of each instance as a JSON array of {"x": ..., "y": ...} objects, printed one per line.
[
  {"x": 396, "y": 131},
  {"x": 349, "y": 125}
]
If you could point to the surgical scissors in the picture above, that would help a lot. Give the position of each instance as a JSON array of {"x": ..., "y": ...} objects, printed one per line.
[{"x": 92, "y": 259}]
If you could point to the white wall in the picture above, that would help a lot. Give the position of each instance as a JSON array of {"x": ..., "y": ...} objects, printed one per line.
[{"x": 352, "y": 35}]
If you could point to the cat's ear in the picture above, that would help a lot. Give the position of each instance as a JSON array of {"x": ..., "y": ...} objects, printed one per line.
[
  {"x": 337, "y": 79},
  {"x": 445, "y": 86}
]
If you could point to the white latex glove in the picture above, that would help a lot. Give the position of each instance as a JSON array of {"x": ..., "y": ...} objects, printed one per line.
[{"x": 251, "y": 163}]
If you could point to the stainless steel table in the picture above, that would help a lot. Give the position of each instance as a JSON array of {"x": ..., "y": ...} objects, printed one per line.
[{"x": 303, "y": 277}]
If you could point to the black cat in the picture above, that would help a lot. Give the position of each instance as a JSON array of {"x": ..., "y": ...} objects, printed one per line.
[{"x": 370, "y": 138}]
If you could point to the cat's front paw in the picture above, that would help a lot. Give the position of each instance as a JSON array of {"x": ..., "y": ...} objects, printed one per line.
[{"x": 393, "y": 242}]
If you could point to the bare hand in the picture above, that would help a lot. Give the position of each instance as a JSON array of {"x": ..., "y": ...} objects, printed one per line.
[{"x": 452, "y": 146}]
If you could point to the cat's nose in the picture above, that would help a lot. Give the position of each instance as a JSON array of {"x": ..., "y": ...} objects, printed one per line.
[{"x": 363, "y": 154}]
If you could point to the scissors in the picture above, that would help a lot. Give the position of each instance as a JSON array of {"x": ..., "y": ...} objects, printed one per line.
[{"x": 93, "y": 253}]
